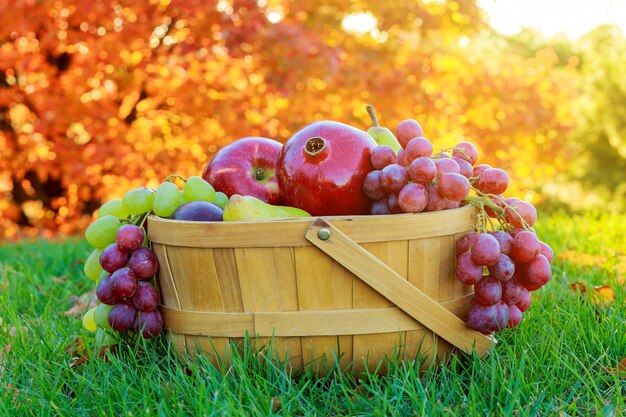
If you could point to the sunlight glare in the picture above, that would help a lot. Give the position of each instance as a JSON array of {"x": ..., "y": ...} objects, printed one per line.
[
  {"x": 275, "y": 15},
  {"x": 359, "y": 23},
  {"x": 572, "y": 17}
]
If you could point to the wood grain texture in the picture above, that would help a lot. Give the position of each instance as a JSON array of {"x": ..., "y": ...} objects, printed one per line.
[
  {"x": 316, "y": 292},
  {"x": 343, "y": 282},
  {"x": 287, "y": 289},
  {"x": 348, "y": 321},
  {"x": 370, "y": 349},
  {"x": 257, "y": 279},
  {"x": 198, "y": 288},
  {"x": 169, "y": 294},
  {"x": 395, "y": 288},
  {"x": 424, "y": 275}
]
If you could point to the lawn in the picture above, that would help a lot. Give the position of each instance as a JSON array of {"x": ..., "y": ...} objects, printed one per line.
[{"x": 555, "y": 363}]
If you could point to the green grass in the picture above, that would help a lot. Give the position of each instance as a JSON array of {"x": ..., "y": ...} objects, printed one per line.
[{"x": 551, "y": 365}]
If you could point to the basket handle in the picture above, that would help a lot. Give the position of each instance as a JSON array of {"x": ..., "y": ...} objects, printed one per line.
[{"x": 395, "y": 288}]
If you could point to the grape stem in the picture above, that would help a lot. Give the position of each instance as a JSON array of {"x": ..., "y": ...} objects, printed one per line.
[
  {"x": 485, "y": 199},
  {"x": 143, "y": 217},
  {"x": 442, "y": 153},
  {"x": 175, "y": 176}
]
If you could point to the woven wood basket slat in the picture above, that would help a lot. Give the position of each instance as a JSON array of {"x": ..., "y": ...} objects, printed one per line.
[{"x": 377, "y": 285}]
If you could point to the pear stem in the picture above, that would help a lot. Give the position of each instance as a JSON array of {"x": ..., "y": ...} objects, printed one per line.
[{"x": 372, "y": 113}]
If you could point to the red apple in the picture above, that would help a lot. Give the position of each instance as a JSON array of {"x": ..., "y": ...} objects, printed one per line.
[
  {"x": 322, "y": 167},
  {"x": 246, "y": 166}
]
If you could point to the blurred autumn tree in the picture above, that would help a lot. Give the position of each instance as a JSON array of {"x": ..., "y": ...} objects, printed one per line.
[
  {"x": 97, "y": 97},
  {"x": 599, "y": 170}
]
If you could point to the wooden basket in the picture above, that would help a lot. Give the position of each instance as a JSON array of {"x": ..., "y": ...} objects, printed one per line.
[{"x": 348, "y": 289}]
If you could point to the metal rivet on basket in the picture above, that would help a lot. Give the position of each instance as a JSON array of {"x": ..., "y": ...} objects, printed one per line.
[{"x": 323, "y": 233}]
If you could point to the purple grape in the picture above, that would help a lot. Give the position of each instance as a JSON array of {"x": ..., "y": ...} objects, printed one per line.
[
  {"x": 488, "y": 291},
  {"x": 144, "y": 263},
  {"x": 535, "y": 274},
  {"x": 105, "y": 291},
  {"x": 422, "y": 170},
  {"x": 382, "y": 156},
  {"x": 113, "y": 258},
  {"x": 380, "y": 206},
  {"x": 466, "y": 151},
  {"x": 451, "y": 204},
  {"x": 546, "y": 251},
  {"x": 394, "y": 205},
  {"x": 393, "y": 177},
  {"x": 502, "y": 316},
  {"x": 524, "y": 300},
  {"x": 485, "y": 250},
  {"x": 122, "y": 316},
  {"x": 511, "y": 291},
  {"x": 482, "y": 318},
  {"x": 515, "y": 316},
  {"x": 503, "y": 269},
  {"x": 418, "y": 147},
  {"x": 149, "y": 323},
  {"x": 524, "y": 247},
  {"x": 124, "y": 283},
  {"x": 198, "y": 211},
  {"x": 413, "y": 198},
  {"x": 464, "y": 243},
  {"x": 435, "y": 201},
  {"x": 504, "y": 239},
  {"x": 467, "y": 170},
  {"x": 467, "y": 271},
  {"x": 146, "y": 297},
  {"x": 371, "y": 186},
  {"x": 129, "y": 237}
]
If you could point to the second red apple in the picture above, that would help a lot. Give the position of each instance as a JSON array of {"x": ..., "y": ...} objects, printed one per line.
[{"x": 246, "y": 166}]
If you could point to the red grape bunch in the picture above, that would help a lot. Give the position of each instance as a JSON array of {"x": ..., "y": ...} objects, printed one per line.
[
  {"x": 128, "y": 267},
  {"x": 124, "y": 268},
  {"x": 504, "y": 260},
  {"x": 505, "y": 265},
  {"x": 415, "y": 180}
]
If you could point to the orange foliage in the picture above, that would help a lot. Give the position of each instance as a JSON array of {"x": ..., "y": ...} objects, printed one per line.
[{"x": 98, "y": 97}]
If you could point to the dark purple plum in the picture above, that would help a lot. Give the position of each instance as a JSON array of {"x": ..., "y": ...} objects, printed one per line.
[{"x": 198, "y": 211}]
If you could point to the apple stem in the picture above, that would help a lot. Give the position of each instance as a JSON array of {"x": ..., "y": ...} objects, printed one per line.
[
  {"x": 372, "y": 113},
  {"x": 259, "y": 174}
]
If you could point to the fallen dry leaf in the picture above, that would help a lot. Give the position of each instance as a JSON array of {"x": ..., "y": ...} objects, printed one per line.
[
  {"x": 78, "y": 352},
  {"x": 599, "y": 294},
  {"x": 76, "y": 347},
  {"x": 103, "y": 352},
  {"x": 578, "y": 286},
  {"x": 603, "y": 294},
  {"x": 59, "y": 280},
  {"x": 81, "y": 304},
  {"x": 277, "y": 404},
  {"x": 619, "y": 369}
]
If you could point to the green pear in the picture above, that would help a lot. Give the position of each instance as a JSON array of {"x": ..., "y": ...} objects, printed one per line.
[
  {"x": 245, "y": 207},
  {"x": 381, "y": 135}
]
